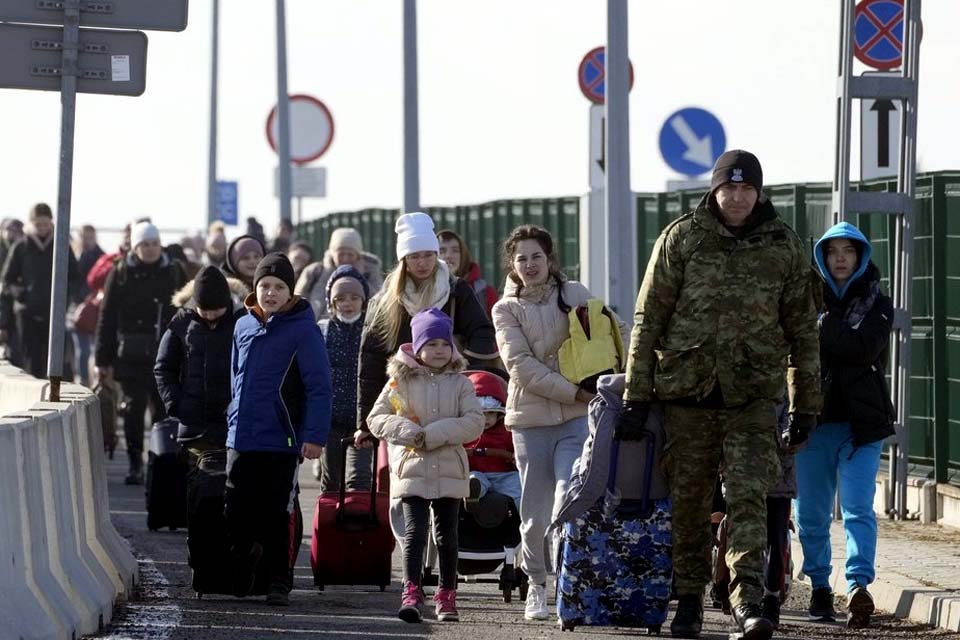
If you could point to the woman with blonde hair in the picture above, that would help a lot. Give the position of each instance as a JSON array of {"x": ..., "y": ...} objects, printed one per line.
[{"x": 419, "y": 281}]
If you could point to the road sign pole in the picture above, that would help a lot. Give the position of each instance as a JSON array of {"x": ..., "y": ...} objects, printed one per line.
[
  {"x": 620, "y": 219},
  {"x": 283, "y": 112},
  {"x": 411, "y": 118},
  {"x": 61, "y": 239},
  {"x": 214, "y": 81}
]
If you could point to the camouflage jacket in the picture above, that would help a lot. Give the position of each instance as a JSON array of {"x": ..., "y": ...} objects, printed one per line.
[{"x": 717, "y": 308}]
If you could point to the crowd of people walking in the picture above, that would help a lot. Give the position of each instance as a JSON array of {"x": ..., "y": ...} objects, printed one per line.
[{"x": 766, "y": 362}]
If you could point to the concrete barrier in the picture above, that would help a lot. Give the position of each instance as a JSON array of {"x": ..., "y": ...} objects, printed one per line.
[{"x": 64, "y": 563}]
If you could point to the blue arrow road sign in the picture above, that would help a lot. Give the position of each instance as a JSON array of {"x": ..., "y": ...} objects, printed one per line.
[
  {"x": 691, "y": 140},
  {"x": 227, "y": 201}
]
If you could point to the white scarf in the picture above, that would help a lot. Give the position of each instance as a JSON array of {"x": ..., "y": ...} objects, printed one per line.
[{"x": 412, "y": 300}]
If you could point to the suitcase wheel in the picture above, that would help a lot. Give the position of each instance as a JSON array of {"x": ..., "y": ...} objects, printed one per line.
[
  {"x": 507, "y": 594},
  {"x": 383, "y": 588},
  {"x": 654, "y": 630},
  {"x": 199, "y": 596},
  {"x": 172, "y": 528},
  {"x": 430, "y": 579},
  {"x": 567, "y": 625},
  {"x": 319, "y": 587}
]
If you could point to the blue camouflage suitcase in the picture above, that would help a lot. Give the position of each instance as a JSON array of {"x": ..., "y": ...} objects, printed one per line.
[{"x": 614, "y": 560}]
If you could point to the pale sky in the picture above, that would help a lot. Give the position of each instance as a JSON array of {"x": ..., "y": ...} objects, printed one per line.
[{"x": 501, "y": 114}]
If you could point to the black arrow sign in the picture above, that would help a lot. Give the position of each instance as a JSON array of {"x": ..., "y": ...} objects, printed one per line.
[
  {"x": 603, "y": 145},
  {"x": 883, "y": 109}
]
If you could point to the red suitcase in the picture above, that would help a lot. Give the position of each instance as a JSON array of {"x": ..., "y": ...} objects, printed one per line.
[{"x": 352, "y": 541}]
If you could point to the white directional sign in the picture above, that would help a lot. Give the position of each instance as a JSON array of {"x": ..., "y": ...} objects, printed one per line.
[
  {"x": 879, "y": 136},
  {"x": 598, "y": 156}
]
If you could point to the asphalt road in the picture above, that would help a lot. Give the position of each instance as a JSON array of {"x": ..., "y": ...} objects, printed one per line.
[{"x": 166, "y": 606}]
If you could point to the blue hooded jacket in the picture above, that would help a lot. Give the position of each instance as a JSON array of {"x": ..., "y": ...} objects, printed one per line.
[
  {"x": 280, "y": 378},
  {"x": 843, "y": 230}
]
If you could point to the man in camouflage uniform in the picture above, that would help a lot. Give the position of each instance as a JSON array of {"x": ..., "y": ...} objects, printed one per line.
[{"x": 724, "y": 312}]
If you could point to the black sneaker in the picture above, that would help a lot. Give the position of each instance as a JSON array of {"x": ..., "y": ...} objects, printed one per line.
[
  {"x": 688, "y": 620},
  {"x": 752, "y": 624},
  {"x": 860, "y": 607},
  {"x": 770, "y": 608},
  {"x": 245, "y": 570},
  {"x": 471, "y": 501},
  {"x": 278, "y": 596},
  {"x": 821, "y": 605}
]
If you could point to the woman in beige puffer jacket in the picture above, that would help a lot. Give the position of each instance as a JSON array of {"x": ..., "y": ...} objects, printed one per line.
[{"x": 545, "y": 411}]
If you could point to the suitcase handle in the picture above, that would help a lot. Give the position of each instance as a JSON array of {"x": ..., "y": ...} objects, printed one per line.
[
  {"x": 348, "y": 442},
  {"x": 644, "y": 508}
]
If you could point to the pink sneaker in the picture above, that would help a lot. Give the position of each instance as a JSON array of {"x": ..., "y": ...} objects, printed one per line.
[
  {"x": 411, "y": 603},
  {"x": 446, "y": 600}
]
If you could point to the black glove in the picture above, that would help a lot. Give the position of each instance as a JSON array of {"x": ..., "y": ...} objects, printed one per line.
[
  {"x": 801, "y": 424},
  {"x": 633, "y": 420}
]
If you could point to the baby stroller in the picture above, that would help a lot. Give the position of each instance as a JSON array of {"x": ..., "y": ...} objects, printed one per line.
[{"x": 489, "y": 539}]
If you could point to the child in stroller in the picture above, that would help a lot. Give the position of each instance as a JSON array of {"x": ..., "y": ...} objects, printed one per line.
[{"x": 489, "y": 528}]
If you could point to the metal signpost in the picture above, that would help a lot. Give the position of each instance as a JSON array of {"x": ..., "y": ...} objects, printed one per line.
[
  {"x": 227, "y": 205},
  {"x": 885, "y": 34},
  {"x": 74, "y": 59},
  {"x": 283, "y": 112},
  {"x": 606, "y": 248},
  {"x": 691, "y": 140},
  {"x": 212, "y": 189},
  {"x": 411, "y": 115}
]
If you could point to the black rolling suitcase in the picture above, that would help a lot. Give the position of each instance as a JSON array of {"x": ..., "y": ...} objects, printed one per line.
[
  {"x": 208, "y": 545},
  {"x": 166, "y": 484}
]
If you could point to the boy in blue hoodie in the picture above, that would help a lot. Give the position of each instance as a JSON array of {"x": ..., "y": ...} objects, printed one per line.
[
  {"x": 280, "y": 377},
  {"x": 855, "y": 323}
]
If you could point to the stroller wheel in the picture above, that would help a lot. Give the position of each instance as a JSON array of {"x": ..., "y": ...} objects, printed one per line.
[
  {"x": 507, "y": 594},
  {"x": 524, "y": 586}
]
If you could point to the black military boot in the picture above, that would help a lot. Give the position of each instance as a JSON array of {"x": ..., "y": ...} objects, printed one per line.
[
  {"x": 751, "y": 622},
  {"x": 135, "y": 470},
  {"x": 770, "y": 608},
  {"x": 688, "y": 620}
]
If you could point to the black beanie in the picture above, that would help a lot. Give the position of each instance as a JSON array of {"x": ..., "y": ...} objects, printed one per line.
[
  {"x": 737, "y": 165},
  {"x": 276, "y": 265},
  {"x": 210, "y": 290}
]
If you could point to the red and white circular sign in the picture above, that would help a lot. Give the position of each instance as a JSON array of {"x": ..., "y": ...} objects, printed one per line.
[{"x": 311, "y": 128}]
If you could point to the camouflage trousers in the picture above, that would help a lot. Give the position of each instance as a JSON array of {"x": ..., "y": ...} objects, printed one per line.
[{"x": 700, "y": 443}]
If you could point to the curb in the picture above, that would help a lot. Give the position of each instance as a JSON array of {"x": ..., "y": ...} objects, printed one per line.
[{"x": 903, "y": 596}]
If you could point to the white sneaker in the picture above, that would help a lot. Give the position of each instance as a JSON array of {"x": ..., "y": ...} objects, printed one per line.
[
  {"x": 536, "y": 607},
  {"x": 317, "y": 469}
]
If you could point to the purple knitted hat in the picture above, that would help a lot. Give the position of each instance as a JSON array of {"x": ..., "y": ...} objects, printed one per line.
[{"x": 430, "y": 324}]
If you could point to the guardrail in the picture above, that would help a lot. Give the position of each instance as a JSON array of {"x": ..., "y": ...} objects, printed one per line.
[{"x": 64, "y": 565}]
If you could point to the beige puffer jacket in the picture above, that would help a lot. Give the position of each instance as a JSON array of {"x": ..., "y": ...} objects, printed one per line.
[
  {"x": 427, "y": 459},
  {"x": 530, "y": 329}
]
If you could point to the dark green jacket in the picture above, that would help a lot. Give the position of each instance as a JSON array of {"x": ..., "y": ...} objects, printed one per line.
[{"x": 714, "y": 307}]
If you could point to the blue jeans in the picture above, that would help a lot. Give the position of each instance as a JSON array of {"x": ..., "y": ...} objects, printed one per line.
[
  {"x": 830, "y": 453},
  {"x": 545, "y": 457},
  {"x": 504, "y": 482},
  {"x": 81, "y": 345}
]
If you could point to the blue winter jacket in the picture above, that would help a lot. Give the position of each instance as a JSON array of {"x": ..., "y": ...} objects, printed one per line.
[{"x": 280, "y": 378}]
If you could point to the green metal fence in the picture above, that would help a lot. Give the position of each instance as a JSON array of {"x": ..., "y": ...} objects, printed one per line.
[{"x": 935, "y": 379}]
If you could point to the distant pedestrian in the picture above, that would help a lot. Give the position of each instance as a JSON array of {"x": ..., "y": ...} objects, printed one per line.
[
  {"x": 426, "y": 412},
  {"x": 347, "y": 296},
  {"x": 25, "y": 282},
  {"x": 255, "y": 229},
  {"x": 345, "y": 248},
  {"x": 243, "y": 256},
  {"x": 134, "y": 314},
  {"x": 280, "y": 411},
  {"x": 855, "y": 324},
  {"x": 545, "y": 412},
  {"x": 724, "y": 320},
  {"x": 83, "y": 333},
  {"x": 455, "y": 252},
  {"x": 300, "y": 255},
  {"x": 284, "y": 238}
]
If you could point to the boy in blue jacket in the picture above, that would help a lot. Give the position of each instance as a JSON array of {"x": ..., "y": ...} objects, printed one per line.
[{"x": 280, "y": 377}]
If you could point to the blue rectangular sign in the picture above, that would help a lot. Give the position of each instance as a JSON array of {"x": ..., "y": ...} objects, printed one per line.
[{"x": 227, "y": 201}]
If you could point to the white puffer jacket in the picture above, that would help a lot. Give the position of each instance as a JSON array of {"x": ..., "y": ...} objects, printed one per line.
[
  {"x": 530, "y": 329},
  {"x": 427, "y": 459}
]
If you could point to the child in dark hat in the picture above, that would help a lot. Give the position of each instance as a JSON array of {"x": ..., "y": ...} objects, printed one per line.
[
  {"x": 347, "y": 295},
  {"x": 280, "y": 411},
  {"x": 193, "y": 364}
]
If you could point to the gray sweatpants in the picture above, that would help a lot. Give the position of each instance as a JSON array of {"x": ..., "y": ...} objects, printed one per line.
[{"x": 545, "y": 457}]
